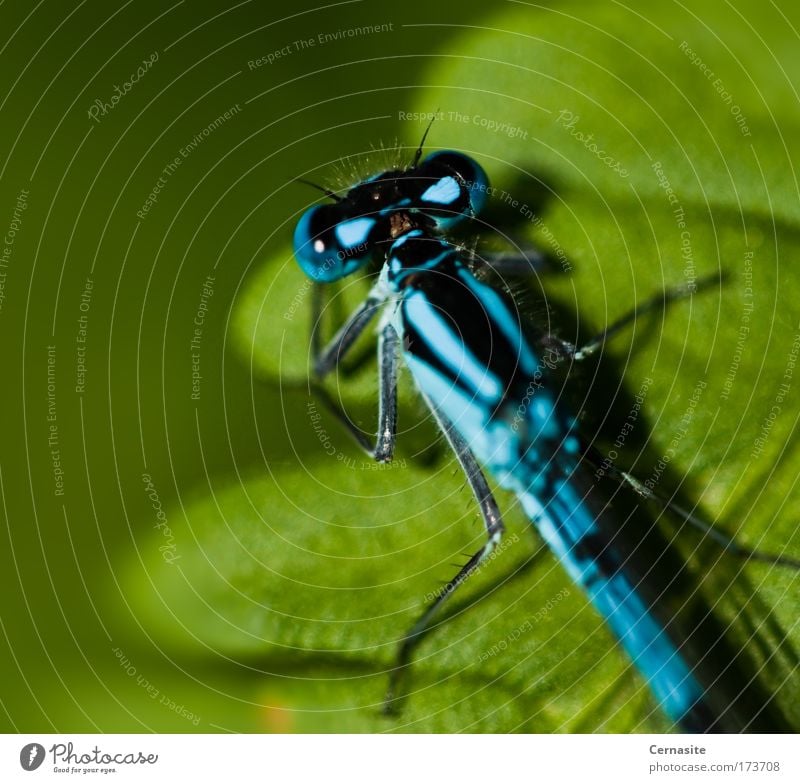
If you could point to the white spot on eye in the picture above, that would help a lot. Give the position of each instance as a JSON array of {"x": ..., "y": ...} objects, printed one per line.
[{"x": 319, "y": 246}]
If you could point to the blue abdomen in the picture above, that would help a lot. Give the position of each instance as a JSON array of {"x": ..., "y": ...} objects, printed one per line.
[{"x": 568, "y": 523}]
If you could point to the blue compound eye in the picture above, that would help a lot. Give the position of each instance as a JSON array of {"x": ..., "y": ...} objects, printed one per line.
[
  {"x": 462, "y": 180},
  {"x": 328, "y": 247}
]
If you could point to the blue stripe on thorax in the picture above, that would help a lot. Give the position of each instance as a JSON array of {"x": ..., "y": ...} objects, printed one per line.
[
  {"x": 449, "y": 347},
  {"x": 498, "y": 310},
  {"x": 399, "y": 271}
]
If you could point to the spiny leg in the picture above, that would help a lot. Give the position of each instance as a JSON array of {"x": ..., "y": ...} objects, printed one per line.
[
  {"x": 522, "y": 260},
  {"x": 494, "y": 530},
  {"x": 383, "y": 448},
  {"x": 327, "y": 359},
  {"x": 726, "y": 542},
  {"x": 566, "y": 350},
  {"x": 353, "y": 364},
  {"x": 525, "y": 261}
]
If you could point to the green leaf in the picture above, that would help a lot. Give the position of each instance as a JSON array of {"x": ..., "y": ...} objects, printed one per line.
[{"x": 307, "y": 579}]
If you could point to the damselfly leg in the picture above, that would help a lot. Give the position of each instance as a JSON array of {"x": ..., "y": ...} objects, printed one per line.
[
  {"x": 329, "y": 357},
  {"x": 493, "y": 523},
  {"x": 659, "y": 301}
]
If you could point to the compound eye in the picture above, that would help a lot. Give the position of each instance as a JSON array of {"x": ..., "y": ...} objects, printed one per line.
[{"x": 328, "y": 246}]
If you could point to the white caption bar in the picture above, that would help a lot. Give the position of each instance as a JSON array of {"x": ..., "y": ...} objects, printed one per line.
[{"x": 398, "y": 758}]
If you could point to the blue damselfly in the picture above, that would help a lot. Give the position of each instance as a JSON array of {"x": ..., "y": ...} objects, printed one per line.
[{"x": 487, "y": 379}]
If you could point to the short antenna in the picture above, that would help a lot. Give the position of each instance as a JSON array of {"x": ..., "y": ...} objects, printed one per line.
[
  {"x": 329, "y": 193},
  {"x": 418, "y": 153}
]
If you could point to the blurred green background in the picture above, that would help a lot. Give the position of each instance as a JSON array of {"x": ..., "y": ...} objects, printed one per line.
[{"x": 205, "y": 554}]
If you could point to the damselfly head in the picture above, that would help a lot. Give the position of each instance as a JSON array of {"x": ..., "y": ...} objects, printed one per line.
[{"x": 436, "y": 192}]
